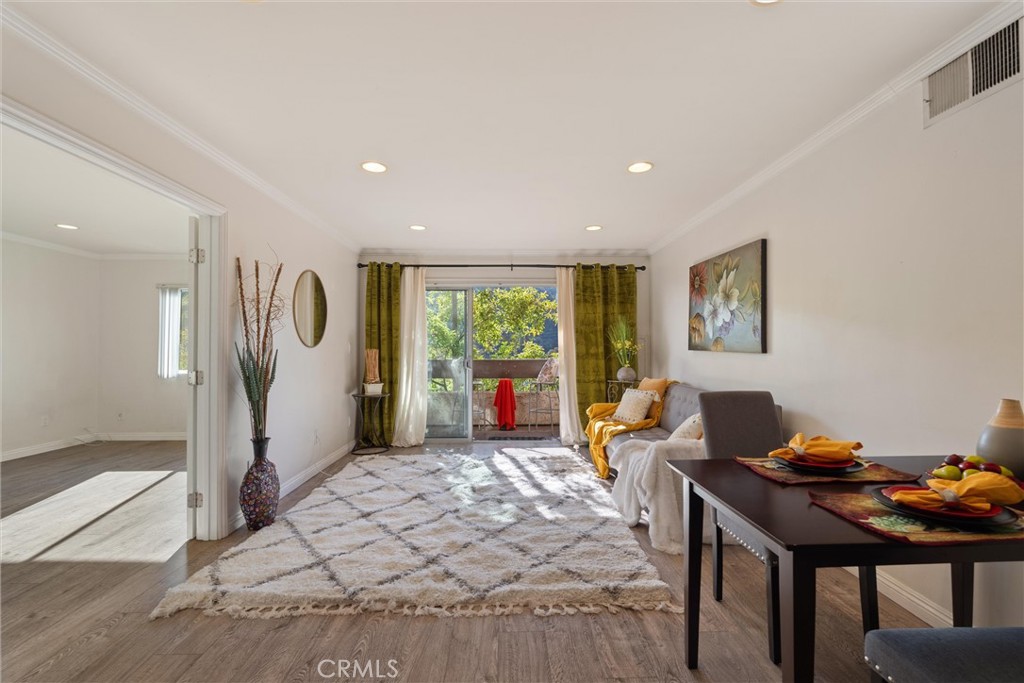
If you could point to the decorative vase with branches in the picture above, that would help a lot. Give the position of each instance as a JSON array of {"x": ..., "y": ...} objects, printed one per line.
[{"x": 261, "y": 309}]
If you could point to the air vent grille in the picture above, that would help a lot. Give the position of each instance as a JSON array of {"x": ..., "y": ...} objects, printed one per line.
[{"x": 975, "y": 74}]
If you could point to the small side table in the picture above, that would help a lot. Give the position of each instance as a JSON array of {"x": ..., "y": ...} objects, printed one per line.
[
  {"x": 616, "y": 388},
  {"x": 370, "y": 408}
]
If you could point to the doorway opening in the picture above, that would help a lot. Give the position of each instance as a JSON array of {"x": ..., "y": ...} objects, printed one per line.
[
  {"x": 121, "y": 258},
  {"x": 492, "y": 363}
]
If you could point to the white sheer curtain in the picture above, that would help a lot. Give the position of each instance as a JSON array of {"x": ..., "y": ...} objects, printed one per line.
[
  {"x": 411, "y": 405},
  {"x": 570, "y": 428}
]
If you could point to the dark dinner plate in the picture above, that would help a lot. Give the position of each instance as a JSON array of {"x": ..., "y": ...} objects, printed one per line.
[
  {"x": 811, "y": 468},
  {"x": 997, "y": 516}
]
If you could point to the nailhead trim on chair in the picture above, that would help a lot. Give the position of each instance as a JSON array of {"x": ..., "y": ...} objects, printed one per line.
[
  {"x": 878, "y": 668},
  {"x": 743, "y": 543}
]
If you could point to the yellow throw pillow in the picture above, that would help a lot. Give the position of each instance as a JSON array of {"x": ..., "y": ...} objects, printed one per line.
[{"x": 658, "y": 386}]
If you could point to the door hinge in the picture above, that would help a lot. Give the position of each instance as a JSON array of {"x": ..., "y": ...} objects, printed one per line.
[
  {"x": 197, "y": 256},
  {"x": 195, "y": 378},
  {"x": 195, "y": 500}
]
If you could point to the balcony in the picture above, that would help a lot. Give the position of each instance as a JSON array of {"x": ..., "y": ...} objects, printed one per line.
[{"x": 445, "y": 407}]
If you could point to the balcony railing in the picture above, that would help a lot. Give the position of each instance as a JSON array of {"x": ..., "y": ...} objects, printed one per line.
[{"x": 446, "y": 377}]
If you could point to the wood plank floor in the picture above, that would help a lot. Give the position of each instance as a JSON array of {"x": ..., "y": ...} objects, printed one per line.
[{"x": 88, "y": 621}]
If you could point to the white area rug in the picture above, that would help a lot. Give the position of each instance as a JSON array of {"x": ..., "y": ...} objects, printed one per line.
[{"x": 448, "y": 535}]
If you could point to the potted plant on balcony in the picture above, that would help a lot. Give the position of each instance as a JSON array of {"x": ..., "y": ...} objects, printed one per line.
[
  {"x": 261, "y": 311},
  {"x": 624, "y": 348}
]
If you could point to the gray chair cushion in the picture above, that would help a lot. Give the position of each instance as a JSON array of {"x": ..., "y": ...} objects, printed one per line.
[{"x": 947, "y": 655}]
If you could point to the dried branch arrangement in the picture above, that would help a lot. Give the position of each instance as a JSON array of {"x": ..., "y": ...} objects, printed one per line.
[
  {"x": 372, "y": 366},
  {"x": 261, "y": 309}
]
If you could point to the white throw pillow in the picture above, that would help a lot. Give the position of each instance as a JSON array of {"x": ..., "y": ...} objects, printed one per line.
[
  {"x": 692, "y": 428},
  {"x": 634, "y": 405}
]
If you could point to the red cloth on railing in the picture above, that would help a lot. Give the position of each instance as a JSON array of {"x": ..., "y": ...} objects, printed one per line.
[{"x": 505, "y": 402}]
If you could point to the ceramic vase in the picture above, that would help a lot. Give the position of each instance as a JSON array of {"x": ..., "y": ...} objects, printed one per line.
[
  {"x": 626, "y": 374},
  {"x": 261, "y": 489},
  {"x": 1002, "y": 439}
]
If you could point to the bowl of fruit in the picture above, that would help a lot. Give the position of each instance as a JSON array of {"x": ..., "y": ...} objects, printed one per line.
[{"x": 956, "y": 467}]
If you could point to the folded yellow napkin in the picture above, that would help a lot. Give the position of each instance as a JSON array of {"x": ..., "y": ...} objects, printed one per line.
[
  {"x": 976, "y": 493},
  {"x": 819, "y": 449}
]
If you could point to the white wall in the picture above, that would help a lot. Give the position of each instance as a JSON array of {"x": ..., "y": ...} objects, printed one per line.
[
  {"x": 51, "y": 348},
  {"x": 80, "y": 339},
  {"x": 895, "y": 295},
  {"x": 310, "y": 413},
  {"x": 133, "y": 400}
]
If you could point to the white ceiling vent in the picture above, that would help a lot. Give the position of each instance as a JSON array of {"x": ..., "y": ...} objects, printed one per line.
[{"x": 986, "y": 68}]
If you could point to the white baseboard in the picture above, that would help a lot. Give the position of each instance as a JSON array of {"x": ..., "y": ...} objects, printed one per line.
[
  {"x": 912, "y": 601},
  {"x": 237, "y": 521},
  {"x": 311, "y": 471},
  {"x": 26, "y": 451},
  {"x": 90, "y": 437},
  {"x": 143, "y": 436},
  {"x": 909, "y": 599}
]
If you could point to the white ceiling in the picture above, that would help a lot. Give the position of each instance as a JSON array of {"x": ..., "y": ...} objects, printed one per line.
[
  {"x": 506, "y": 126},
  {"x": 43, "y": 186}
]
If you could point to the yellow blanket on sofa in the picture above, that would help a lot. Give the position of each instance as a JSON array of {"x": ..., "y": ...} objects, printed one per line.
[{"x": 602, "y": 428}]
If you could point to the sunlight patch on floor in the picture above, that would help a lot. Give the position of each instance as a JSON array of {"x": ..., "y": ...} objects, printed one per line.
[{"x": 112, "y": 517}]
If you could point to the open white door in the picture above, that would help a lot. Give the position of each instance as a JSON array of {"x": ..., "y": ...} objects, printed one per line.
[{"x": 190, "y": 428}]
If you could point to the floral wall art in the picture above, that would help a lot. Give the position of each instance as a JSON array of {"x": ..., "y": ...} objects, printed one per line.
[{"x": 727, "y": 295}]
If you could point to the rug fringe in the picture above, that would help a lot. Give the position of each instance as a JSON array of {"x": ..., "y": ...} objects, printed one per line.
[{"x": 169, "y": 607}]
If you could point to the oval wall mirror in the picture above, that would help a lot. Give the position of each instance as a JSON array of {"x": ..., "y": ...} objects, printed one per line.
[{"x": 309, "y": 308}]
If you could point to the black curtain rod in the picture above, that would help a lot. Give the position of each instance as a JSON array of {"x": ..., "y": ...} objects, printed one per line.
[{"x": 510, "y": 266}]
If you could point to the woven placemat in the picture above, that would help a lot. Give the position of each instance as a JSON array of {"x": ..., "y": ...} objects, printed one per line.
[
  {"x": 874, "y": 472},
  {"x": 866, "y": 512}
]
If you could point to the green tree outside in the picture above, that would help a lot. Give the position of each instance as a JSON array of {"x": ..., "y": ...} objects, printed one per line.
[{"x": 506, "y": 323}]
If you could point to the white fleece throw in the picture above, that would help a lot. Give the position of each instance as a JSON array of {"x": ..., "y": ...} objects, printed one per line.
[
  {"x": 645, "y": 482},
  {"x": 437, "y": 534}
]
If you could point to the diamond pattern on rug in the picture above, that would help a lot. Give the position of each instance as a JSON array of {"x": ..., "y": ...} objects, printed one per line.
[{"x": 441, "y": 534}]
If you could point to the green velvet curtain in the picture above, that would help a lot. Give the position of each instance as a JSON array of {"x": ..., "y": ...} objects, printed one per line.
[
  {"x": 383, "y": 287},
  {"x": 603, "y": 293}
]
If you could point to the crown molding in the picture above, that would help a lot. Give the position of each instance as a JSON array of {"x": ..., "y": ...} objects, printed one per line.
[
  {"x": 39, "y": 126},
  {"x": 92, "y": 255},
  {"x": 151, "y": 256},
  {"x": 41, "y": 244},
  {"x": 90, "y": 72},
  {"x": 983, "y": 28}
]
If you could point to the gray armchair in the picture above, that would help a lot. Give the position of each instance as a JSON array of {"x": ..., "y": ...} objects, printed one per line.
[{"x": 746, "y": 424}]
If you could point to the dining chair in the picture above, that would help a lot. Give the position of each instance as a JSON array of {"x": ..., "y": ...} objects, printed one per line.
[
  {"x": 945, "y": 655},
  {"x": 746, "y": 424}
]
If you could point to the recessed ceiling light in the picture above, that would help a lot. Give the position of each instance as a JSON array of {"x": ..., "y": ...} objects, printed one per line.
[
  {"x": 765, "y": 2},
  {"x": 417, "y": 227},
  {"x": 67, "y": 226},
  {"x": 640, "y": 167},
  {"x": 594, "y": 228},
  {"x": 373, "y": 167}
]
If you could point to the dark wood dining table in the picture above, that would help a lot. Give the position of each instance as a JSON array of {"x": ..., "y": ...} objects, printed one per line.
[{"x": 803, "y": 537}]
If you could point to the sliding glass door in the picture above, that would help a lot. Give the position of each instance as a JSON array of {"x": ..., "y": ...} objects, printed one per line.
[{"x": 449, "y": 364}]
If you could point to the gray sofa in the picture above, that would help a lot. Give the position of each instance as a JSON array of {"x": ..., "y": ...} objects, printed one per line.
[
  {"x": 680, "y": 403},
  {"x": 642, "y": 480}
]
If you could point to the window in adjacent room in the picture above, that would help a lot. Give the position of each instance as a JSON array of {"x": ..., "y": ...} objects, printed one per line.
[{"x": 174, "y": 320}]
